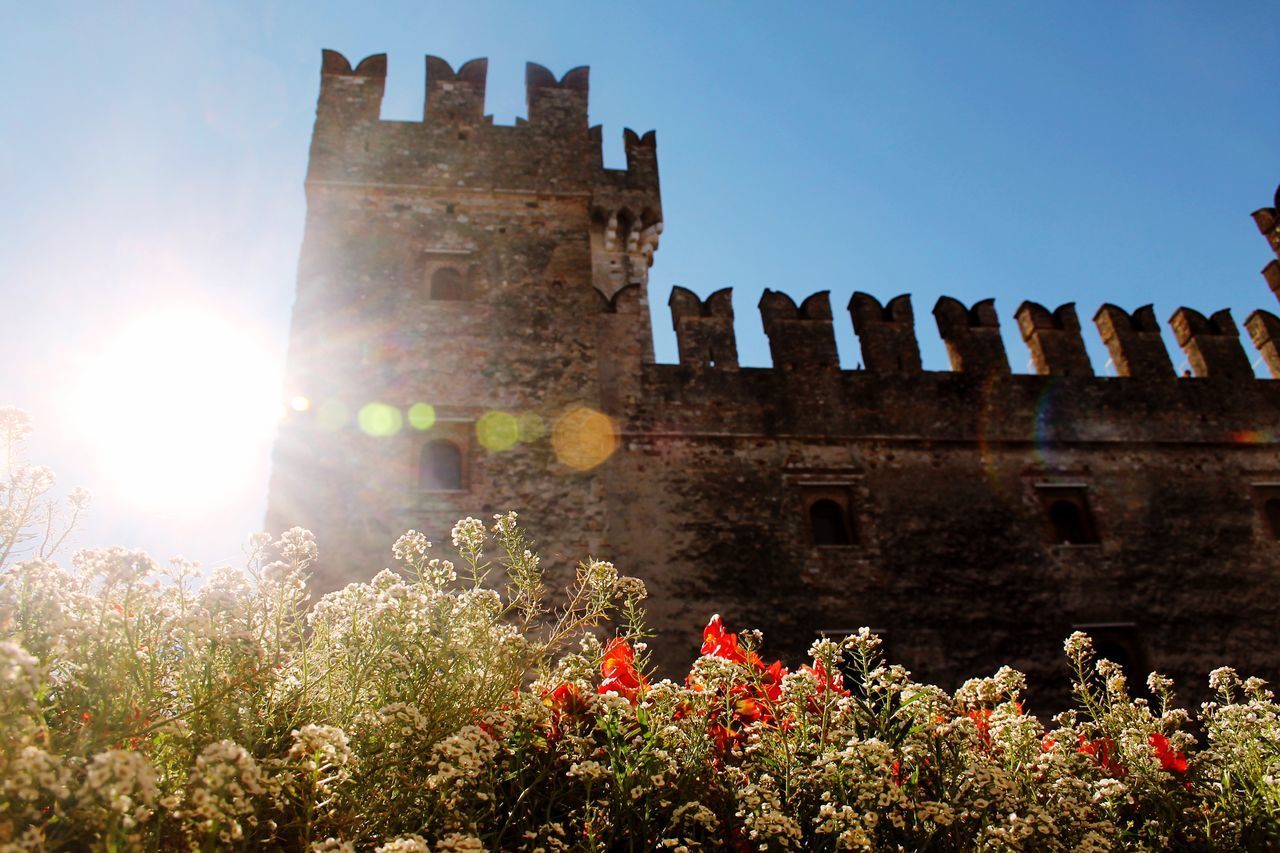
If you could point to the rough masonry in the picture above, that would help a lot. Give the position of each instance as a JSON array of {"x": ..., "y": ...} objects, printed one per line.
[{"x": 471, "y": 334}]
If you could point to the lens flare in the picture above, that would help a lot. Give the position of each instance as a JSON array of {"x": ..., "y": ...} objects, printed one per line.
[
  {"x": 332, "y": 415},
  {"x": 498, "y": 431},
  {"x": 422, "y": 416},
  {"x": 583, "y": 438},
  {"x": 531, "y": 426},
  {"x": 300, "y": 404},
  {"x": 380, "y": 420}
]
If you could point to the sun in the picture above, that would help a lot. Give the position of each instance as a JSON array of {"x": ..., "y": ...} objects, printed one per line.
[{"x": 175, "y": 407}]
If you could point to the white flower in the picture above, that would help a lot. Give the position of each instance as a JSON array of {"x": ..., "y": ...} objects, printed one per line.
[
  {"x": 323, "y": 745},
  {"x": 1078, "y": 644},
  {"x": 458, "y": 841},
  {"x": 601, "y": 575},
  {"x": 504, "y": 524},
  {"x": 298, "y": 545},
  {"x": 121, "y": 781},
  {"x": 404, "y": 844},
  {"x": 115, "y": 565},
  {"x": 1223, "y": 678},
  {"x": 468, "y": 534},
  {"x": 411, "y": 548}
]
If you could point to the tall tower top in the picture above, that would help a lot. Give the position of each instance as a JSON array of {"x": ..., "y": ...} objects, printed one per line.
[{"x": 456, "y": 146}]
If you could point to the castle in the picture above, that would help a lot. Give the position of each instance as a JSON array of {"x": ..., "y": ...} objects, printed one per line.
[{"x": 471, "y": 334}]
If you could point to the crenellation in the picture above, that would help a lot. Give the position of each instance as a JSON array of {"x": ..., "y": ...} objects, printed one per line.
[
  {"x": 1268, "y": 222},
  {"x": 704, "y": 329},
  {"x": 972, "y": 336},
  {"x": 800, "y": 338},
  {"x": 350, "y": 97},
  {"x": 886, "y": 334},
  {"x": 558, "y": 106},
  {"x": 455, "y": 98},
  {"x": 642, "y": 158},
  {"x": 1057, "y": 348},
  {"x": 1271, "y": 272},
  {"x": 1212, "y": 344},
  {"x": 1264, "y": 331},
  {"x": 1134, "y": 342}
]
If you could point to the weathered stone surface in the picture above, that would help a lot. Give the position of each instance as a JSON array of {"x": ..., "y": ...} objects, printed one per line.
[{"x": 700, "y": 476}]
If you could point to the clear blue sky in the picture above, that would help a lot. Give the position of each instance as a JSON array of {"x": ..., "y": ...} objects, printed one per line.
[{"x": 1084, "y": 152}]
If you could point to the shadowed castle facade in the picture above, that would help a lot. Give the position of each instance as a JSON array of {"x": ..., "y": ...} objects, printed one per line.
[{"x": 471, "y": 334}]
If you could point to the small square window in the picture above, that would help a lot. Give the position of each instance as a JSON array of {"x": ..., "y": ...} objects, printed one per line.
[
  {"x": 1266, "y": 498},
  {"x": 1067, "y": 517}
]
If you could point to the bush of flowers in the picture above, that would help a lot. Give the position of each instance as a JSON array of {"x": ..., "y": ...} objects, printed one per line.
[{"x": 449, "y": 705}]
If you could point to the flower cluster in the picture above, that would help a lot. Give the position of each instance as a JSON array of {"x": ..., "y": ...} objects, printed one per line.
[{"x": 447, "y": 706}]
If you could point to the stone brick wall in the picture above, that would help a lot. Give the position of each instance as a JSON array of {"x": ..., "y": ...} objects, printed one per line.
[{"x": 500, "y": 275}]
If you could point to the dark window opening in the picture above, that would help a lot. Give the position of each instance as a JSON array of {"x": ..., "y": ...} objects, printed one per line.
[
  {"x": 1271, "y": 510},
  {"x": 440, "y": 467},
  {"x": 828, "y": 523},
  {"x": 1067, "y": 517},
  {"x": 1068, "y": 523},
  {"x": 447, "y": 285}
]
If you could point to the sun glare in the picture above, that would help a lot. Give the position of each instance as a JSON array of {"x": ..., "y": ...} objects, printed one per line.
[{"x": 175, "y": 407}]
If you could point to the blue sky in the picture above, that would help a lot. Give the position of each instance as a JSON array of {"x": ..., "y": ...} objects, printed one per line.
[{"x": 1073, "y": 152}]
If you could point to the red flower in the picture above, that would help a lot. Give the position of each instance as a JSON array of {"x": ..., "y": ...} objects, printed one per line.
[
  {"x": 982, "y": 720},
  {"x": 1170, "y": 758},
  {"x": 718, "y": 643},
  {"x": 1047, "y": 743},
  {"x": 1102, "y": 750},
  {"x": 565, "y": 700},
  {"x": 565, "y": 697},
  {"x": 833, "y": 681},
  {"x": 619, "y": 670}
]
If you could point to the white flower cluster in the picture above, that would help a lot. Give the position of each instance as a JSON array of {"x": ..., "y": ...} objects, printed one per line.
[
  {"x": 320, "y": 746},
  {"x": 122, "y": 782},
  {"x": 33, "y": 780},
  {"x": 224, "y": 790},
  {"x": 298, "y": 546},
  {"x": 412, "y": 548},
  {"x": 461, "y": 758},
  {"x": 601, "y": 575},
  {"x": 114, "y": 565},
  {"x": 468, "y": 535}
]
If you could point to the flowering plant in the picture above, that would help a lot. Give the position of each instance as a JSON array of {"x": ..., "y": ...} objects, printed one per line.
[{"x": 447, "y": 705}]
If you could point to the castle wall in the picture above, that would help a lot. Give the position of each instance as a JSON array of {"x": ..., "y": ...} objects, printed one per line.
[
  {"x": 976, "y": 517},
  {"x": 946, "y": 482}
]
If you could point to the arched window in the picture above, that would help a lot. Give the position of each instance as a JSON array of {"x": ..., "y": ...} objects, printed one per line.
[
  {"x": 440, "y": 467},
  {"x": 1271, "y": 509},
  {"x": 1068, "y": 523},
  {"x": 827, "y": 523},
  {"x": 448, "y": 285},
  {"x": 1067, "y": 519}
]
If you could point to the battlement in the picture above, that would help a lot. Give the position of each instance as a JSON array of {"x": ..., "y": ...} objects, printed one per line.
[
  {"x": 801, "y": 337},
  {"x": 456, "y": 147},
  {"x": 1268, "y": 221}
]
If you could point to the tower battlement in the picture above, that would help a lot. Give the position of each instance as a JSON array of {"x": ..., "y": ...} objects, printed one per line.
[{"x": 459, "y": 148}]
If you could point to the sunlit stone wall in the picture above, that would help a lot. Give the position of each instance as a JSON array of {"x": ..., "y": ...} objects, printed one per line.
[{"x": 471, "y": 335}]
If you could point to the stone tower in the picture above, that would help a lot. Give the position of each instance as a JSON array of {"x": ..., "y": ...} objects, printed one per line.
[
  {"x": 471, "y": 298},
  {"x": 471, "y": 335}
]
